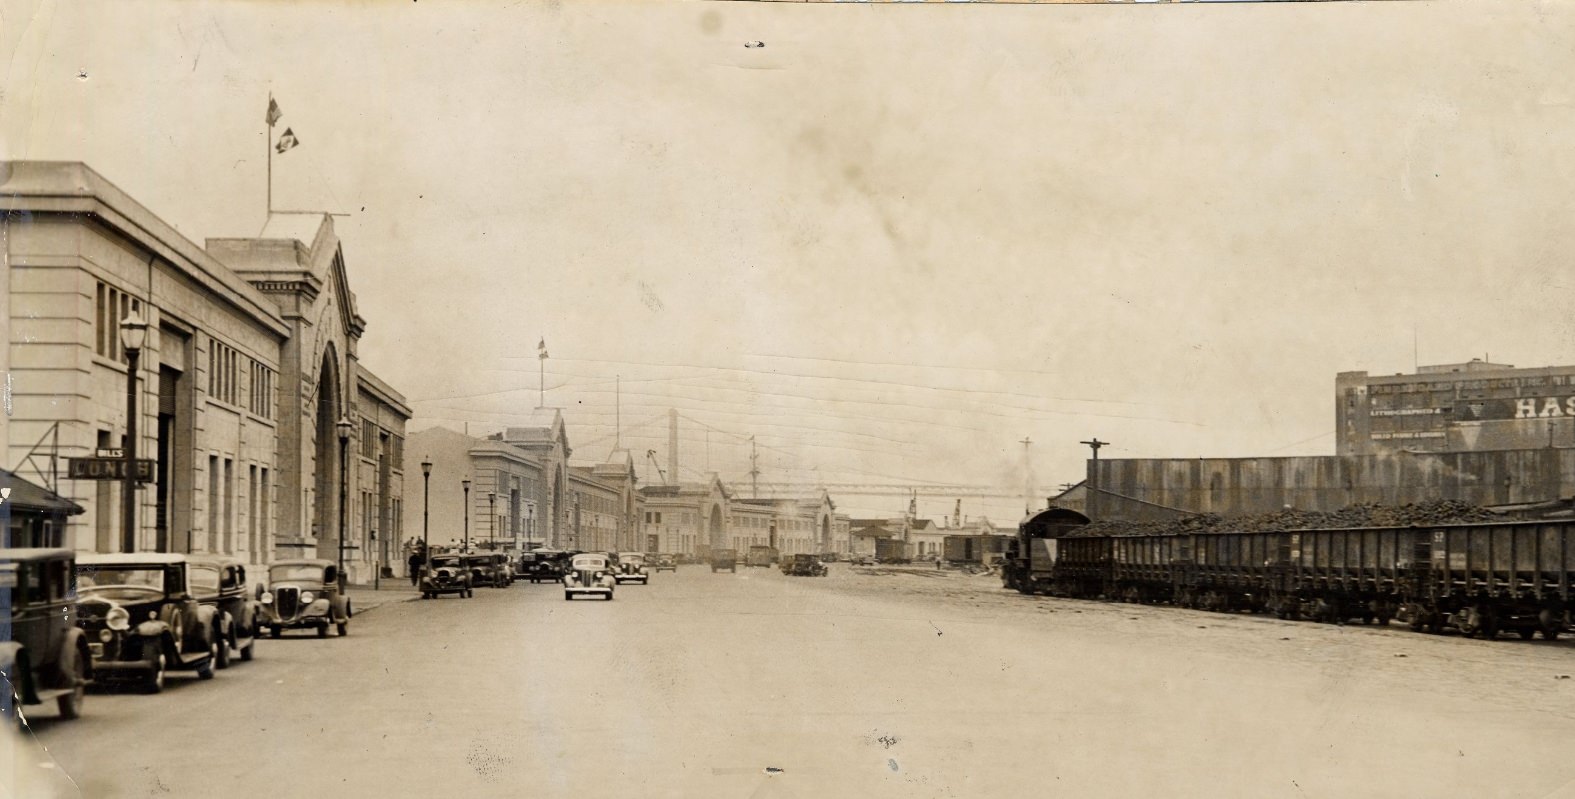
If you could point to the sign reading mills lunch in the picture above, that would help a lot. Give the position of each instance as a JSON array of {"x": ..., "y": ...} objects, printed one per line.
[{"x": 108, "y": 465}]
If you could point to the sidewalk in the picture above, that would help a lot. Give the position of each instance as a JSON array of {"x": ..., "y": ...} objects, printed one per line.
[{"x": 394, "y": 589}]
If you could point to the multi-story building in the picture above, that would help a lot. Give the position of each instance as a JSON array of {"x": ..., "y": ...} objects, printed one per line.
[
  {"x": 688, "y": 518},
  {"x": 521, "y": 493},
  {"x": 1461, "y": 407},
  {"x": 248, "y": 367}
]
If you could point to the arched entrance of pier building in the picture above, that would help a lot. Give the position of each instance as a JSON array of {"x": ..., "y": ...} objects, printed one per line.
[
  {"x": 716, "y": 531},
  {"x": 325, "y": 507}
]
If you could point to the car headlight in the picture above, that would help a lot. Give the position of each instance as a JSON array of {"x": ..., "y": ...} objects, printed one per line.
[
  {"x": 117, "y": 619},
  {"x": 106, "y": 636},
  {"x": 307, "y": 597},
  {"x": 267, "y": 598}
]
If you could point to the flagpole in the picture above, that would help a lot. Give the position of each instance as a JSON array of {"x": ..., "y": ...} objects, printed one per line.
[{"x": 268, "y": 143}]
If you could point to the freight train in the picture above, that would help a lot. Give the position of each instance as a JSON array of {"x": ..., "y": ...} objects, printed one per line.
[{"x": 1481, "y": 579}]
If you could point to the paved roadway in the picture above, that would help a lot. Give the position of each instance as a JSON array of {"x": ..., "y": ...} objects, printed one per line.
[{"x": 855, "y": 685}]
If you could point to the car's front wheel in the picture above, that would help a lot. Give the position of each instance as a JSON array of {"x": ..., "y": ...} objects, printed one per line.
[
  {"x": 70, "y": 703},
  {"x": 154, "y": 681}
]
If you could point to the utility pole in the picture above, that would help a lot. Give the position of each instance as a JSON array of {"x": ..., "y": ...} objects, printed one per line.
[
  {"x": 672, "y": 444},
  {"x": 754, "y": 470},
  {"x": 1028, "y": 478},
  {"x": 1093, "y": 475}
]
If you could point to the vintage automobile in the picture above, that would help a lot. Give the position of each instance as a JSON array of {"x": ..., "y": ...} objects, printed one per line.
[
  {"x": 803, "y": 566},
  {"x": 142, "y": 618},
  {"x": 220, "y": 582},
  {"x": 589, "y": 573},
  {"x": 47, "y": 656},
  {"x": 724, "y": 559},
  {"x": 303, "y": 593},
  {"x": 505, "y": 566},
  {"x": 631, "y": 568},
  {"x": 485, "y": 570},
  {"x": 542, "y": 565},
  {"x": 663, "y": 563},
  {"x": 446, "y": 574}
]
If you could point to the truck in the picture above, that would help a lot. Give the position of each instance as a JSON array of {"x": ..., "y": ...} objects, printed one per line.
[
  {"x": 724, "y": 559},
  {"x": 761, "y": 556}
]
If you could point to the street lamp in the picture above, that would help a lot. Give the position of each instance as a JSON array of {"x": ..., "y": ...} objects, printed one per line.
[
  {"x": 426, "y": 507},
  {"x": 345, "y": 428},
  {"x": 465, "y": 547},
  {"x": 530, "y": 524},
  {"x": 492, "y": 520},
  {"x": 133, "y": 335}
]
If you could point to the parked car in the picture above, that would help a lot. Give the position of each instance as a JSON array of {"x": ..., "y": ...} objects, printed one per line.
[
  {"x": 663, "y": 563},
  {"x": 142, "y": 618},
  {"x": 803, "y": 566},
  {"x": 724, "y": 559},
  {"x": 303, "y": 593},
  {"x": 631, "y": 568},
  {"x": 861, "y": 560},
  {"x": 590, "y": 573},
  {"x": 47, "y": 656},
  {"x": 220, "y": 582},
  {"x": 446, "y": 574},
  {"x": 542, "y": 565},
  {"x": 484, "y": 571}
]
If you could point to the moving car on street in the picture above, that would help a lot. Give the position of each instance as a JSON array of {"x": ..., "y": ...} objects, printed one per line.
[
  {"x": 803, "y": 566},
  {"x": 485, "y": 570},
  {"x": 631, "y": 568},
  {"x": 724, "y": 559},
  {"x": 446, "y": 574},
  {"x": 663, "y": 563},
  {"x": 220, "y": 582},
  {"x": 47, "y": 656},
  {"x": 542, "y": 565},
  {"x": 303, "y": 593},
  {"x": 142, "y": 618},
  {"x": 590, "y": 573}
]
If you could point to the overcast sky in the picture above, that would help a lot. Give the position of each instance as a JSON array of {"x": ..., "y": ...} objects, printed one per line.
[{"x": 892, "y": 241}]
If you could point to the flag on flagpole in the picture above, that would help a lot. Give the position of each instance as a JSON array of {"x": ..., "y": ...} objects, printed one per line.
[
  {"x": 286, "y": 141},
  {"x": 273, "y": 112},
  {"x": 541, "y": 350}
]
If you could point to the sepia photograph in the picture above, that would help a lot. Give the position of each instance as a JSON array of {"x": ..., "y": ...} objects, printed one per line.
[{"x": 787, "y": 398}]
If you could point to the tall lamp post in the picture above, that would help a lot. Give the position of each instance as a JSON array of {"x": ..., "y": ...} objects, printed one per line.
[
  {"x": 530, "y": 524},
  {"x": 465, "y": 547},
  {"x": 492, "y": 519},
  {"x": 133, "y": 335},
  {"x": 426, "y": 511},
  {"x": 345, "y": 428}
]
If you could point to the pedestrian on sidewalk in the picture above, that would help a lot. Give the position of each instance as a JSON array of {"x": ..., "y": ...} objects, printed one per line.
[{"x": 415, "y": 567}]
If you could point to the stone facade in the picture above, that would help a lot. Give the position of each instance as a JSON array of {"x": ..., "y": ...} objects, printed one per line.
[{"x": 250, "y": 349}]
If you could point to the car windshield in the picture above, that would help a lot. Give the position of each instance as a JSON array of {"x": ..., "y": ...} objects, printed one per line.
[
  {"x": 121, "y": 582},
  {"x": 288, "y": 573},
  {"x": 583, "y": 563},
  {"x": 442, "y": 562},
  {"x": 204, "y": 579},
  {"x": 635, "y": 559}
]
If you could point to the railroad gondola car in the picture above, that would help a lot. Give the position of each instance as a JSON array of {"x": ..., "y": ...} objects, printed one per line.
[{"x": 1478, "y": 578}]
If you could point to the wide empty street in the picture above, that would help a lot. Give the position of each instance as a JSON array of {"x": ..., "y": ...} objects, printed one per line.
[{"x": 894, "y": 682}]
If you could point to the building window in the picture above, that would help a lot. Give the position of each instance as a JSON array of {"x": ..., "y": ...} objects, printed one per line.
[
  {"x": 112, "y": 306},
  {"x": 260, "y": 399},
  {"x": 223, "y": 372},
  {"x": 368, "y": 438},
  {"x": 397, "y": 451}
]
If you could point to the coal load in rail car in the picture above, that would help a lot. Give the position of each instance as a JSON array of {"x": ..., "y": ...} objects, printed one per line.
[{"x": 1032, "y": 559}]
